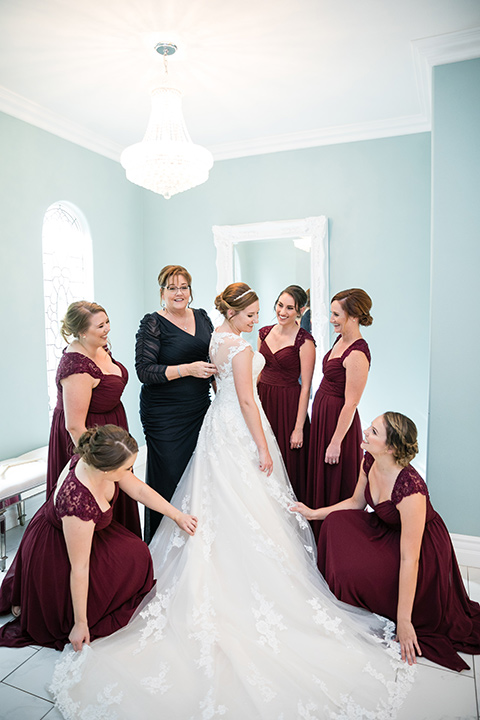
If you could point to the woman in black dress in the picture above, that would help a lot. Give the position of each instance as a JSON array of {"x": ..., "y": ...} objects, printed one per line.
[{"x": 171, "y": 359}]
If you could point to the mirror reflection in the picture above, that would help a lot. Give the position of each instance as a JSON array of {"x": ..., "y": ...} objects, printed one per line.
[{"x": 269, "y": 266}]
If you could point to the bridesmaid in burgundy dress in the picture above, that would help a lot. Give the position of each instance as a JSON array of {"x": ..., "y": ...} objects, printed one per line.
[
  {"x": 335, "y": 435},
  {"x": 90, "y": 385},
  {"x": 284, "y": 383},
  {"x": 398, "y": 561},
  {"x": 78, "y": 574}
]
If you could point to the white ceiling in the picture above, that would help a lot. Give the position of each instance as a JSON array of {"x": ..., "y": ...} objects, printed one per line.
[{"x": 257, "y": 75}]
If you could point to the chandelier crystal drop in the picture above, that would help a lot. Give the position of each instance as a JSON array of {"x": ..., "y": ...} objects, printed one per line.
[{"x": 166, "y": 161}]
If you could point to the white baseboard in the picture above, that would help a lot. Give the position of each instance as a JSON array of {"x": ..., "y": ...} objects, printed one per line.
[{"x": 467, "y": 549}]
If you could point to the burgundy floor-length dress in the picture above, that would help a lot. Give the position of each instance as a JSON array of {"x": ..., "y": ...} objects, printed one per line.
[
  {"x": 359, "y": 556},
  {"x": 121, "y": 572},
  {"x": 328, "y": 484},
  {"x": 279, "y": 390},
  {"x": 105, "y": 408}
]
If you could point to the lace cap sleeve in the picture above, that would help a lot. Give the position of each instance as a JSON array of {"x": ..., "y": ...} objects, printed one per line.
[
  {"x": 224, "y": 347},
  {"x": 359, "y": 345},
  {"x": 263, "y": 332},
  {"x": 303, "y": 335},
  {"x": 74, "y": 499},
  {"x": 407, "y": 483},
  {"x": 74, "y": 363},
  {"x": 367, "y": 463}
]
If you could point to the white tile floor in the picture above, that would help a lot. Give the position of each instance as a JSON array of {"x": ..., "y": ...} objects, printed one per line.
[{"x": 438, "y": 693}]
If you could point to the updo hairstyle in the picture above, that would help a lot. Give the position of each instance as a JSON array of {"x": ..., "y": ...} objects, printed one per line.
[
  {"x": 106, "y": 447},
  {"x": 401, "y": 437},
  {"x": 356, "y": 303},
  {"x": 300, "y": 297},
  {"x": 78, "y": 318},
  {"x": 169, "y": 272},
  {"x": 237, "y": 297}
]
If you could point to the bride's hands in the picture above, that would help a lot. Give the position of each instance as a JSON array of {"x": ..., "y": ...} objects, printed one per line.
[
  {"x": 266, "y": 462},
  {"x": 186, "y": 522}
]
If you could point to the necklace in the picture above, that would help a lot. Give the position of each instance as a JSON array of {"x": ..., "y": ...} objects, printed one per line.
[{"x": 182, "y": 327}]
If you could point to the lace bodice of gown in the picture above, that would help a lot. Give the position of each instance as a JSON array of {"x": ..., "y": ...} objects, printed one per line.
[{"x": 223, "y": 348}]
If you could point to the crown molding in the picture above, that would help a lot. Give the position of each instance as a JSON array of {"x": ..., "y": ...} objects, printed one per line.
[
  {"x": 324, "y": 136},
  {"x": 427, "y": 53},
  {"x": 34, "y": 114},
  {"x": 440, "y": 50}
]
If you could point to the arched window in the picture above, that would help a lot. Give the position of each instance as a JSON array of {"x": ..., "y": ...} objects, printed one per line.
[{"x": 67, "y": 276}]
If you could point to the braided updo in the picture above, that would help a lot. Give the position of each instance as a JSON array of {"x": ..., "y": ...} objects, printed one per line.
[
  {"x": 106, "y": 447},
  {"x": 401, "y": 437},
  {"x": 356, "y": 303},
  {"x": 236, "y": 296}
]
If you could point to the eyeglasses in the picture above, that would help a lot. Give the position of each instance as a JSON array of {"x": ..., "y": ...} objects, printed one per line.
[{"x": 176, "y": 288}]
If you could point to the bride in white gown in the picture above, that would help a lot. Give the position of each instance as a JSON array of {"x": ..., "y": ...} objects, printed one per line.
[{"x": 241, "y": 624}]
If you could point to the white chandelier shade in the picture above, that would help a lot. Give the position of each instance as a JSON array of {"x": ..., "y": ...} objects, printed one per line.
[{"x": 166, "y": 161}]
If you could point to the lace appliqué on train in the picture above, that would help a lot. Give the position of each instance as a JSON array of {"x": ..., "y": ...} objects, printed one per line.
[
  {"x": 268, "y": 621},
  {"x": 155, "y": 617},
  {"x": 207, "y": 633},
  {"x": 158, "y": 684},
  {"x": 67, "y": 674}
]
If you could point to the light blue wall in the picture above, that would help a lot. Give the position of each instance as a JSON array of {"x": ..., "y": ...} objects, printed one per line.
[
  {"x": 37, "y": 169},
  {"x": 377, "y": 197},
  {"x": 455, "y": 344}
]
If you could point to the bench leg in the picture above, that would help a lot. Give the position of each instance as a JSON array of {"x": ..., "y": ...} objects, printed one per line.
[
  {"x": 21, "y": 512},
  {"x": 3, "y": 541}
]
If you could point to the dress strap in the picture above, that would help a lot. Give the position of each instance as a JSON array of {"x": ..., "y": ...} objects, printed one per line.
[
  {"x": 359, "y": 345},
  {"x": 408, "y": 482},
  {"x": 264, "y": 331},
  {"x": 302, "y": 336}
]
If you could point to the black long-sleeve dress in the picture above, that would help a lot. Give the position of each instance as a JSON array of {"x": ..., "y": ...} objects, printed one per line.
[{"x": 171, "y": 412}]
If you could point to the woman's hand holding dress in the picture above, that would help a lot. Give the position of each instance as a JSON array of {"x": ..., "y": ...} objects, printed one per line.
[
  {"x": 79, "y": 635},
  {"x": 407, "y": 637},
  {"x": 198, "y": 369}
]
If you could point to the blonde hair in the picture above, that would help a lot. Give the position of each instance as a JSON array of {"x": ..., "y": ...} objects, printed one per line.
[
  {"x": 401, "y": 436},
  {"x": 78, "y": 318}
]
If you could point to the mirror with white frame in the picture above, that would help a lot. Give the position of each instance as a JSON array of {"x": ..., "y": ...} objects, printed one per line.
[{"x": 278, "y": 254}]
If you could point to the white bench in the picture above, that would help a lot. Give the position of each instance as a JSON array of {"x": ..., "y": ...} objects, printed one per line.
[{"x": 20, "y": 478}]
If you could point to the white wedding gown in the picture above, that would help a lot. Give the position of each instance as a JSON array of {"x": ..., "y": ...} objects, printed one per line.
[{"x": 241, "y": 625}]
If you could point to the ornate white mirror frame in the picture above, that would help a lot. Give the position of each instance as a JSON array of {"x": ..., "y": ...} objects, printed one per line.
[{"x": 315, "y": 229}]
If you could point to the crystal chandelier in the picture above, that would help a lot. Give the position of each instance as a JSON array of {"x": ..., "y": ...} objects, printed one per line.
[{"x": 166, "y": 161}]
